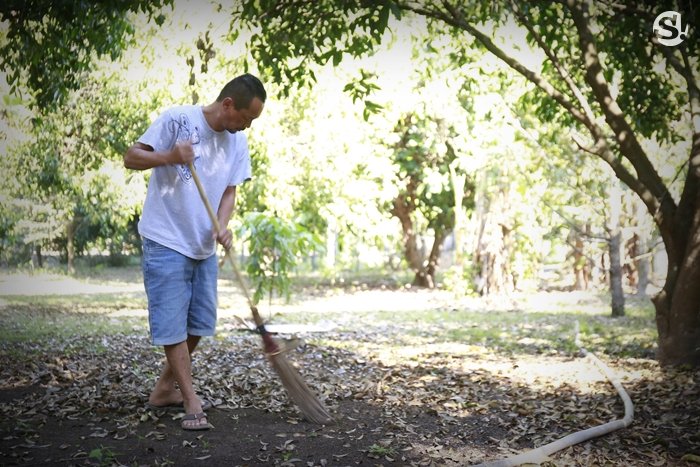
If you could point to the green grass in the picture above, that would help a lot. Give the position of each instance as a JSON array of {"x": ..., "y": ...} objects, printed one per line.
[
  {"x": 544, "y": 328},
  {"x": 37, "y": 323},
  {"x": 350, "y": 279},
  {"x": 89, "y": 268},
  {"x": 540, "y": 332},
  {"x": 381, "y": 451},
  {"x": 511, "y": 332},
  {"x": 83, "y": 302}
]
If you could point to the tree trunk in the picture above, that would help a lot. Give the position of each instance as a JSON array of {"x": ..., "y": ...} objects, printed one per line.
[
  {"x": 70, "y": 245},
  {"x": 615, "y": 245},
  {"x": 458, "y": 181},
  {"x": 678, "y": 318},
  {"x": 579, "y": 262},
  {"x": 678, "y": 303},
  {"x": 618, "y": 295},
  {"x": 642, "y": 254},
  {"x": 425, "y": 276},
  {"x": 642, "y": 264},
  {"x": 402, "y": 210},
  {"x": 331, "y": 245},
  {"x": 37, "y": 259},
  {"x": 492, "y": 247},
  {"x": 582, "y": 267}
]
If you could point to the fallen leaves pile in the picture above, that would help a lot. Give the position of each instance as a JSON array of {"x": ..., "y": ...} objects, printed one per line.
[{"x": 398, "y": 400}]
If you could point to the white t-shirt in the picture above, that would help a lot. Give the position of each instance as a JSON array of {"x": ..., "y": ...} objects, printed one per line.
[{"x": 173, "y": 213}]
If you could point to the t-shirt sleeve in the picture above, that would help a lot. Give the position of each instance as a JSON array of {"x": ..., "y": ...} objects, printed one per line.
[
  {"x": 161, "y": 135},
  {"x": 241, "y": 170}
]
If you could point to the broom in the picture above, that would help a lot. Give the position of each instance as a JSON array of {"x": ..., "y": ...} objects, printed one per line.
[{"x": 292, "y": 381}]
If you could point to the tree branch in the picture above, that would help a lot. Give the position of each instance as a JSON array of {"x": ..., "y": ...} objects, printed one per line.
[
  {"x": 453, "y": 17},
  {"x": 683, "y": 68},
  {"x": 648, "y": 185},
  {"x": 629, "y": 8},
  {"x": 628, "y": 144},
  {"x": 688, "y": 215},
  {"x": 650, "y": 197},
  {"x": 686, "y": 205},
  {"x": 574, "y": 226},
  {"x": 555, "y": 61},
  {"x": 602, "y": 150}
]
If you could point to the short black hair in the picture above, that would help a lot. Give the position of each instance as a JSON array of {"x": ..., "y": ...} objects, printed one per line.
[{"x": 243, "y": 89}]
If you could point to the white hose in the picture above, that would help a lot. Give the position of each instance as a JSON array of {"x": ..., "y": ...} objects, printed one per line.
[{"x": 541, "y": 454}]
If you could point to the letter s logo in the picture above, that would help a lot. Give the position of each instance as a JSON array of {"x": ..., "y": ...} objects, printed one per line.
[{"x": 669, "y": 28}]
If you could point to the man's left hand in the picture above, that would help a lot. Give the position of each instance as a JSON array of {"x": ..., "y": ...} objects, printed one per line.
[{"x": 225, "y": 238}]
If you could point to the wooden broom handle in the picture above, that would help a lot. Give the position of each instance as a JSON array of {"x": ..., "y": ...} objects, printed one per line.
[{"x": 217, "y": 228}]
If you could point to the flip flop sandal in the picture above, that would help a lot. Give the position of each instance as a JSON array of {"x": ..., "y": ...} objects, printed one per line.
[{"x": 194, "y": 416}]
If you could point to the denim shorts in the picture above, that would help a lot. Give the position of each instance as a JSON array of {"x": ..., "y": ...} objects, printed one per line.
[{"x": 181, "y": 294}]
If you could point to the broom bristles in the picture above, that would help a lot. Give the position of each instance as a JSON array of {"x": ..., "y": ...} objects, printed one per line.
[{"x": 298, "y": 391}]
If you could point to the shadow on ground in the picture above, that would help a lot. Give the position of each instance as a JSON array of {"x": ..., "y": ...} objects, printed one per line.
[{"x": 82, "y": 403}]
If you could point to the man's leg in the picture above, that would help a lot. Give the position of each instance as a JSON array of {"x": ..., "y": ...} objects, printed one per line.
[
  {"x": 178, "y": 356},
  {"x": 168, "y": 281},
  {"x": 201, "y": 321},
  {"x": 165, "y": 391}
]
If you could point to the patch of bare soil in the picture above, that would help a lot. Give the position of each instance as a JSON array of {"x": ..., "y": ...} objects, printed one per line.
[{"x": 83, "y": 403}]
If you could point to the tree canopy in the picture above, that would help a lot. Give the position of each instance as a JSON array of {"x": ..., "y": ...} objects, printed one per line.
[{"x": 51, "y": 46}]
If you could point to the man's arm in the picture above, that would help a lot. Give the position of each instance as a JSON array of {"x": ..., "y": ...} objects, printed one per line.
[
  {"x": 223, "y": 214},
  {"x": 142, "y": 156}
]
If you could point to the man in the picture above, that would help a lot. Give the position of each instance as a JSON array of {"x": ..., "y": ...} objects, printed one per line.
[{"x": 179, "y": 245}]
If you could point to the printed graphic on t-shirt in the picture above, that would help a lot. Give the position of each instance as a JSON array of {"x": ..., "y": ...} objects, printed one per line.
[{"x": 185, "y": 131}]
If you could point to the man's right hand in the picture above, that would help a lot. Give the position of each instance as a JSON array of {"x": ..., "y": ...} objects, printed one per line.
[
  {"x": 182, "y": 153},
  {"x": 141, "y": 156}
]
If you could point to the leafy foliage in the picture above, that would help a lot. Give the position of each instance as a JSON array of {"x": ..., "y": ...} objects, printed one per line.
[
  {"x": 275, "y": 245},
  {"x": 286, "y": 32},
  {"x": 422, "y": 157},
  {"x": 72, "y": 166},
  {"x": 12, "y": 249},
  {"x": 360, "y": 89},
  {"x": 652, "y": 98},
  {"x": 50, "y": 46}
]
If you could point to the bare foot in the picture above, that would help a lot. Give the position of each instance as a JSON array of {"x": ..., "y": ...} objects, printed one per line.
[{"x": 165, "y": 398}]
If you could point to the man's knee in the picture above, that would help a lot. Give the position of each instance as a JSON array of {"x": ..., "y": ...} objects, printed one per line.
[{"x": 192, "y": 342}]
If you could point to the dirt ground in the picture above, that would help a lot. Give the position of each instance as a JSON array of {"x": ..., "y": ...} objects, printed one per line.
[
  {"x": 396, "y": 398},
  {"x": 87, "y": 408},
  {"x": 63, "y": 419},
  {"x": 241, "y": 437}
]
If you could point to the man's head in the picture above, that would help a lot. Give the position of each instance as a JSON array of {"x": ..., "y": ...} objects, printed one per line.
[{"x": 242, "y": 101}]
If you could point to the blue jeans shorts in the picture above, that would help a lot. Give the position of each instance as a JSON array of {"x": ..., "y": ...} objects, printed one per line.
[{"x": 181, "y": 294}]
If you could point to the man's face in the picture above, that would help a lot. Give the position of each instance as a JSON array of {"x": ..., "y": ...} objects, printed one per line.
[{"x": 240, "y": 119}]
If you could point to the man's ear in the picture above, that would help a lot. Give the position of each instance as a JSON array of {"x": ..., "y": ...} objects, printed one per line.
[{"x": 228, "y": 102}]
